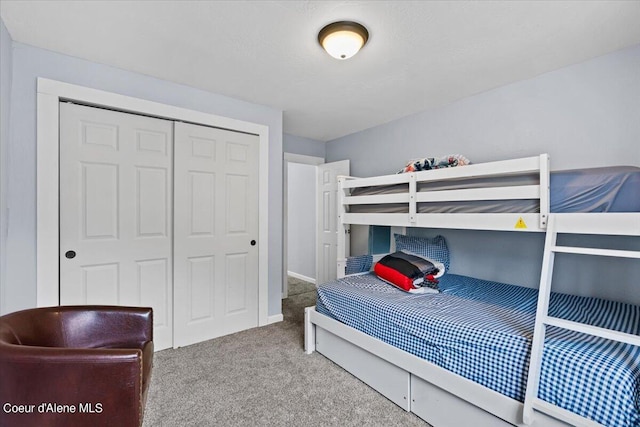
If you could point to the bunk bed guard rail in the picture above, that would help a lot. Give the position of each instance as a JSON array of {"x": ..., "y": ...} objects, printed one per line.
[{"x": 517, "y": 221}]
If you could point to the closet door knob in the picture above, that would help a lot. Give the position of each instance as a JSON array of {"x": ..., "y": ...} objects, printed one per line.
[
  {"x": 70, "y": 254},
  {"x": 253, "y": 243}
]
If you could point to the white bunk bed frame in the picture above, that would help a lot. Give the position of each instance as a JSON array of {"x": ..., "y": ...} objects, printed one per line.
[
  {"x": 437, "y": 395},
  {"x": 534, "y": 222}
]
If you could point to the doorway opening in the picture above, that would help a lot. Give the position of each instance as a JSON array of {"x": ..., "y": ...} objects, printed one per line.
[{"x": 299, "y": 221}]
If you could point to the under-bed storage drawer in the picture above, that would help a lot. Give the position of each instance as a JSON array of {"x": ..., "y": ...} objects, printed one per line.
[
  {"x": 389, "y": 380},
  {"x": 442, "y": 409}
]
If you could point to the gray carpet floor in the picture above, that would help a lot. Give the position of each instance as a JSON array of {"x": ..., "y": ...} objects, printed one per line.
[
  {"x": 297, "y": 286},
  {"x": 262, "y": 377}
]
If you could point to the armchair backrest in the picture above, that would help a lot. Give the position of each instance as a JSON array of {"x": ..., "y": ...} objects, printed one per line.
[{"x": 78, "y": 327}]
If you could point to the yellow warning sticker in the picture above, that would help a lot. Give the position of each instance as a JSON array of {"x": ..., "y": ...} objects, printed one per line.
[{"x": 521, "y": 223}]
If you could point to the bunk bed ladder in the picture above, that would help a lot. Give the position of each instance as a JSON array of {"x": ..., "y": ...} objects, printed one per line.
[{"x": 543, "y": 319}]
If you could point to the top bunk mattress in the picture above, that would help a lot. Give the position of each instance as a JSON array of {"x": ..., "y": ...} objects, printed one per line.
[
  {"x": 607, "y": 189},
  {"x": 483, "y": 331}
]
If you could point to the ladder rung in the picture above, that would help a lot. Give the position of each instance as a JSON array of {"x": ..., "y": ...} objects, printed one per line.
[
  {"x": 596, "y": 251},
  {"x": 563, "y": 414},
  {"x": 593, "y": 330}
]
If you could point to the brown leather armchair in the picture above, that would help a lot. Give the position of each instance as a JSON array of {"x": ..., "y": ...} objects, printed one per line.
[{"x": 75, "y": 366}]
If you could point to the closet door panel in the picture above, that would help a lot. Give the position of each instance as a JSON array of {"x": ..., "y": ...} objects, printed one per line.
[
  {"x": 216, "y": 220},
  {"x": 116, "y": 212},
  {"x": 152, "y": 191},
  {"x": 202, "y": 195}
]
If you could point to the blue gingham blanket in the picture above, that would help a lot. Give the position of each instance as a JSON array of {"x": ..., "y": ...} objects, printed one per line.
[{"x": 482, "y": 331}]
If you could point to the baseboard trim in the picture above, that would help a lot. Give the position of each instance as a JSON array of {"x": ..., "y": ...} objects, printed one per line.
[
  {"x": 301, "y": 277},
  {"x": 275, "y": 319}
]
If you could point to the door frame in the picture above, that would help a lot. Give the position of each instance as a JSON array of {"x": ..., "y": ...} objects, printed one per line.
[
  {"x": 49, "y": 95},
  {"x": 290, "y": 158}
]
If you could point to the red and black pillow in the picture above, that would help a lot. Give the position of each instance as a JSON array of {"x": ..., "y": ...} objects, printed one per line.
[{"x": 408, "y": 271}]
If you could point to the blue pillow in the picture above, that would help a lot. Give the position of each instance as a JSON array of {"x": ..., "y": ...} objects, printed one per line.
[
  {"x": 359, "y": 264},
  {"x": 434, "y": 248}
]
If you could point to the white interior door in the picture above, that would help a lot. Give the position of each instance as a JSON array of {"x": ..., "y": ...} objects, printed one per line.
[
  {"x": 216, "y": 232},
  {"x": 116, "y": 212},
  {"x": 327, "y": 218}
]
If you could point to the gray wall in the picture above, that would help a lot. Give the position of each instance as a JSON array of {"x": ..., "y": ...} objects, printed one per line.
[
  {"x": 301, "y": 216},
  {"x": 306, "y": 146},
  {"x": 584, "y": 115},
  {"x": 28, "y": 64},
  {"x": 6, "y": 64}
]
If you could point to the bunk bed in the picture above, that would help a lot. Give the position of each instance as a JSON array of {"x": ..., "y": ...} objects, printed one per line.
[{"x": 484, "y": 353}]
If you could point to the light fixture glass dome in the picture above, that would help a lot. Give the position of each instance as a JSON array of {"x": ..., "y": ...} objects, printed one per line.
[{"x": 343, "y": 39}]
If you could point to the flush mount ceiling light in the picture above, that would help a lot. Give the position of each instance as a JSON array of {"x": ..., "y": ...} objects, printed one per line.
[{"x": 343, "y": 39}]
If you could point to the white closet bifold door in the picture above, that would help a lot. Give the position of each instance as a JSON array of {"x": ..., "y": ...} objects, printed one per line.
[
  {"x": 216, "y": 232},
  {"x": 116, "y": 212}
]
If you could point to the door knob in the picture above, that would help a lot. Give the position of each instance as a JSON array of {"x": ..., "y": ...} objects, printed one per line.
[
  {"x": 70, "y": 254},
  {"x": 253, "y": 243}
]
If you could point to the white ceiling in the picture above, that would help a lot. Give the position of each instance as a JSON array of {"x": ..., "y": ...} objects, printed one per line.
[{"x": 420, "y": 55}]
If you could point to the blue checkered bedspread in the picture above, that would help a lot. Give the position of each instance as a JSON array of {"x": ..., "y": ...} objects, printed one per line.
[{"x": 482, "y": 331}]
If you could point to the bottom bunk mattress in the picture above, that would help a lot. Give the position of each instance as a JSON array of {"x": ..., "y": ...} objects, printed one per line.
[{"x": 483, "y": 330}]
